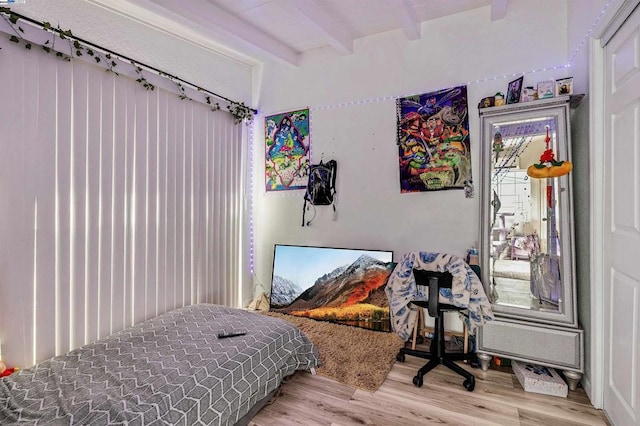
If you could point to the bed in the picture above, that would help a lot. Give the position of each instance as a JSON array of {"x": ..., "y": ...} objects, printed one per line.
[{"x": 172, "y": 369}]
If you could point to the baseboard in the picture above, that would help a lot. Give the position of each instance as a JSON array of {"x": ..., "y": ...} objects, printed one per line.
[{"x": 586, "y": 385}]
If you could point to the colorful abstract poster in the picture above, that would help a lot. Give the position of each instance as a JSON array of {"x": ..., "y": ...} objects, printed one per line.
[
  {"x": 286, "y": 151},
  {"x": 433, "y": 141}
]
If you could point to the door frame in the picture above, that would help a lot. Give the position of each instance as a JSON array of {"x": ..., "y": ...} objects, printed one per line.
[{"x": 610, "y": 23}]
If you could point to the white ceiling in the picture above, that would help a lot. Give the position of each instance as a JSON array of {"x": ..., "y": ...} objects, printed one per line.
[{"x": 262, "y": 30}]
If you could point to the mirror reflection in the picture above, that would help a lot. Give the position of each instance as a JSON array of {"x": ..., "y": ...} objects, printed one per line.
[{"x": 525, "y": 264}]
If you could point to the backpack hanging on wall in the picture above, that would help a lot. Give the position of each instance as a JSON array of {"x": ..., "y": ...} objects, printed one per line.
[{"x": 321, "y": 188}]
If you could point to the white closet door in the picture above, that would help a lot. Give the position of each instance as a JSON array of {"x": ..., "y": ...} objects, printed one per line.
[{"x": 622, "y": 225}]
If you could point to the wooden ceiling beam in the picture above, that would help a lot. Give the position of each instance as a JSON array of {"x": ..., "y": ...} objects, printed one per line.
[
  {"x": 208, "y": 15},
  {"x": 499, "y": 9},
  {"x": 408, "y": 19},
  {"x": 316, "y": 15}
]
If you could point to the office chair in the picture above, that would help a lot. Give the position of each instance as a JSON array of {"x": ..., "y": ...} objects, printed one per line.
[{"x": 437, "y": 354}]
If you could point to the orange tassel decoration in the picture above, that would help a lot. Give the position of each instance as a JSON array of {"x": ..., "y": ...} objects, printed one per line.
[{"x": 548, "y": 166}]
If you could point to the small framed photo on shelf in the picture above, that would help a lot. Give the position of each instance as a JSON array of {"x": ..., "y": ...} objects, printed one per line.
[
  {"x": 514, "y": 90},
  {"x": 529, "y": 94},
  {"x": 564, "y": 86},
  {"x": 546, "y": 89}
]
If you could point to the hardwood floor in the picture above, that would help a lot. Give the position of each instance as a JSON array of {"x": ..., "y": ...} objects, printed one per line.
[{"x": 498, "y": 399}]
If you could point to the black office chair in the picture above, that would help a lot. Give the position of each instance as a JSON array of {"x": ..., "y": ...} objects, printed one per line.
[{"x": 437, "y": 354}]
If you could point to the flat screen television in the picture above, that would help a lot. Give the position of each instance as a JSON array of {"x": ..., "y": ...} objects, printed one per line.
[{"x": 340, "y": 285}]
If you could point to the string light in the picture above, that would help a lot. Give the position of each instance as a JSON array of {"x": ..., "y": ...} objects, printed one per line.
[
  {"x": 468, "y": 83},
  {"x": 251, "y": 192},
  {"x": 296, "y": 193},
  {"x": 588, "y": 34},
  {"x": 480, "y": 80},
  {"x": 309, "y": 136},
  {"x": 290, "y": 193}
]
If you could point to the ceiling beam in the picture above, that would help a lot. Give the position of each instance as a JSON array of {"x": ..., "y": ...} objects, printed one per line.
[
  {"x": 317, "y": 16},
  {"x": 498, "y": 9},
  {"x": 145, "y": 12},
  {"x": 407, "y": 15},
  {"x": 208, "y": 15}
]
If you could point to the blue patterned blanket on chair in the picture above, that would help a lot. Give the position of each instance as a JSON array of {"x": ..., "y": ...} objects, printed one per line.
[{"x": 466, "y": 291}]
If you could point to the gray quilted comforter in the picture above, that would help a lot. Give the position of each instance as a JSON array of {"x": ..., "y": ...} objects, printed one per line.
[{"x": 171, "y": 369}]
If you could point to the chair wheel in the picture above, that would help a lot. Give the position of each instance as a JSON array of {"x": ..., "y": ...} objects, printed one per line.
[
  {"x": 400, "y": 357},
  {"x": 417, "y": 380},
  {"x": 470, "y": 384}
]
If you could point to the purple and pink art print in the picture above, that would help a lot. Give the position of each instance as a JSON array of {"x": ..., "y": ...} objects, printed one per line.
[
  {"x": 286, "y": 150},
  {"x": 433, "y": 141}
]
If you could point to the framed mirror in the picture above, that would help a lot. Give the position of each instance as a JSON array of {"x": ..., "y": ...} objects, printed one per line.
[{"x": 526, "y": 235}]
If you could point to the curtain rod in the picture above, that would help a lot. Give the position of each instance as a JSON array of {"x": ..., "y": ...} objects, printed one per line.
[{"x": 159, "y": 72}]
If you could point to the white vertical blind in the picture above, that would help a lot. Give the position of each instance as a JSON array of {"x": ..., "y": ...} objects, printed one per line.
[{"x": 116, "y": 204}]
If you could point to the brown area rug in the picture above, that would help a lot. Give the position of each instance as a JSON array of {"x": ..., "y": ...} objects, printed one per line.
[{"x": 351, "y": 355}]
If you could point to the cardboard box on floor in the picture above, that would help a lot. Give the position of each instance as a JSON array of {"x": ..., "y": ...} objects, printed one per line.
[{"x": 539, "y": 379}]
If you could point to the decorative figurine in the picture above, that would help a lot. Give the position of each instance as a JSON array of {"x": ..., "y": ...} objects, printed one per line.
[
  {"x": 487, "y": 102},
  {"x": 529, "y": 94},
  {"x": 497, "y": 143}
]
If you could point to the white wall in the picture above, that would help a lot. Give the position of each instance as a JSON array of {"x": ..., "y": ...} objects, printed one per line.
[
  {"x": 582, "y": 17},
  {"x": 453, "y": 50},
  {"x": 362, "y": 137}
]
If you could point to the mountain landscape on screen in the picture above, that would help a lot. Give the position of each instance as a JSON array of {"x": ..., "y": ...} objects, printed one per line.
[
  {"x": 284, "y": 291},
  {"x": 351, "y": 294}
]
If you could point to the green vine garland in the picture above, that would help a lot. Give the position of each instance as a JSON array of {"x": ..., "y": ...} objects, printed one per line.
[{"x": 240, "y": 112}]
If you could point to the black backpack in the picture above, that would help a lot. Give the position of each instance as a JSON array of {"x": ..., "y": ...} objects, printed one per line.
[{"x": 321, "y": 188}]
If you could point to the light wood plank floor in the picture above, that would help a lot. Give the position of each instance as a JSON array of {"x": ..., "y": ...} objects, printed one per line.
[{"x": 498, "y": 399}]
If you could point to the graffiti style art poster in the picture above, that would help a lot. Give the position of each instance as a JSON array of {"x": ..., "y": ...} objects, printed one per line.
[
  {"x": 286, "y": 151},
  {"x": 433, "y": 141}
]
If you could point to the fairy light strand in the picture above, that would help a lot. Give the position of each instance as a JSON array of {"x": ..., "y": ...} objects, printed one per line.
[
  {"x": 468, "y": 83},
  {"x": 309, "y": 136},
  {"x": 480, "y": 80},
  {"x": 250, "y": 206},
  {"x": 376, "y": 99},
  {"x": 588, "y": 34}
]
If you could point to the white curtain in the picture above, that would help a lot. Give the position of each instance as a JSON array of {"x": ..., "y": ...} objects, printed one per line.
[{"x": 116, "y": 204}]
